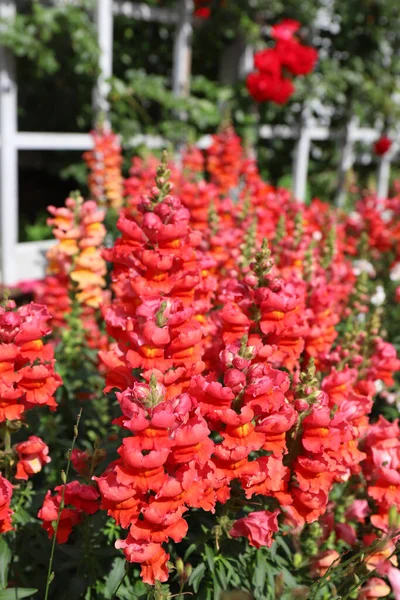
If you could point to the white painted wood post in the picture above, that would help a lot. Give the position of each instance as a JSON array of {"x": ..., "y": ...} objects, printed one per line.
[
  {"x": 182, "y": 53},
  {"x": 246, "y": 63},
  {"x": 104, "y": 22},
  {"x": 383, "y": 177},
  {"x": 8, "y": 157},
  {"x": 346, "y": 161},
  {"x": 301, "y": 160}
]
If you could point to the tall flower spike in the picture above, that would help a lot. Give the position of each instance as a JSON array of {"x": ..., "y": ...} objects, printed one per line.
[
  {"x": 163, "y": 184},
  {"x": 263, "y": 263},
  {"x": 248, "y": 246},
  {"x": 329, "y": 248},
  {"x": 75, "y": 263},
  {"x": 307, "y": 388},
  {"x": 104, "y": 162}
]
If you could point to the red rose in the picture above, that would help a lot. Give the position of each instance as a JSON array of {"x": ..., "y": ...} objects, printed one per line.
[
  {"x": 382, "y": 145},
  {"x": 263, "y": 87},
  {"x": 298, "y": 59},
  {"x": 202, "y": 13},
  {"x": 268, "y": 61},
  {"x": 285, "y": 29}
]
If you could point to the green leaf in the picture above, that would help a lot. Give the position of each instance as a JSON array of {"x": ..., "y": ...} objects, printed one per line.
[
  {"x": 210, "y": 557},
  {"x": 222, "y": 576},
  {"x": 114, "y": 577},
  {"x": 216, "y": 587},
  {"x": 5, "y": 558},
  {"x": 288, "y": 578},
  {"x": 17, "y": 593},
  {"x": 196, "y": 576},
  {"x": 280, "y": 542},
  {"x": 189, "y": 551},
  {"x": 260, "y": 572}
]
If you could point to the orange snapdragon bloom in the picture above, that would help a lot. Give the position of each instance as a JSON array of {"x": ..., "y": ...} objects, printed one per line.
[
  {"x": 104, "y": 163},
  {"x": 75, "y": 261}
]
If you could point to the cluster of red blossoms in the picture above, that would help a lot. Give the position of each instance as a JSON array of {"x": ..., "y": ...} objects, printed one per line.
[
  {"x": 27, "y": 376},
  {"x": 270, "y": 82},
  {"x": 27, "y": 380},
  {"x": 230, "y": 373},
  {"x": 233, "y": 379}
]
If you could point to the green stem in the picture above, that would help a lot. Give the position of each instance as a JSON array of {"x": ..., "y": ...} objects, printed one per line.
[
  {"x": 7, "y": 440},
  {"x": 114, "y": 596},
  {"x": 50, "y": 573},
  {"x": 7, "y": 450}
]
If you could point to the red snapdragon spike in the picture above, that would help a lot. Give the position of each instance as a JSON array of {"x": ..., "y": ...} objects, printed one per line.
[
  {"x": 79, "y": 499},
  {"x": 271, "y": 478},
  {"x": 198, "y": 198},
  {"x": 161, "y": 252},
  {"x": 49, "y": 514},
  {"x": 39, "y": 383},
  {"x": 192, "y": 161},
  {"x": 164, "y": 338},
  {"x": 338, "y": 384},
  {"x": 83, "y": 497},
  {"x": 122, "y": 502},
  {"x": 213, "y": 398},
  {"x": 384, "y": 362},
  {"x": 191, "y": 443},
  {"x": 148, "y": 480},
  {"x": 223, "y": 159},
  {"x": 151, "y": 556},
  {"x": 32, "y": 456},
  {"x": 279, "y": 309},
  {"x": 27, "y": 376},
  {"x": 6, "y": 490}
]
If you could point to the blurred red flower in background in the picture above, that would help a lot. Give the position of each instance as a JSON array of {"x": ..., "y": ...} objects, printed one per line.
[
  {"x": 269, "y": 82},
  {"x": 382, "y": 145}
]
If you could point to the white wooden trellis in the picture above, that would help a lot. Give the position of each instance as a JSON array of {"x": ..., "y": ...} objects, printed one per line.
[{"x": 26, "y": 260}]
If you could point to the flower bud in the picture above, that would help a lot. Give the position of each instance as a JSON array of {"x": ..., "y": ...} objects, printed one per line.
[
  {"x": 180, "y": 567},
  {"x": 300, "y": 405}
]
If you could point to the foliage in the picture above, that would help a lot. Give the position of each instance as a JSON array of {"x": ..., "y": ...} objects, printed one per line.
[
  {"x": 33, "y": 35},
  {"x": 357, "y": 73}
]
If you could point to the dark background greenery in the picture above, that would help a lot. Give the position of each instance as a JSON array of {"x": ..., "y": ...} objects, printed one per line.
[{"x": 57, "y": 63}]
